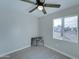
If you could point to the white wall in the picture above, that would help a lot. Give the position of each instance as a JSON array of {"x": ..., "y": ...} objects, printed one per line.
[
  {"x": 45, "y": 29},
  {"x": 16, "y": 28}
]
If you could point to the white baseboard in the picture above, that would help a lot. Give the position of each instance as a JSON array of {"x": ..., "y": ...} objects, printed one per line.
[
  {"x": 72, "y": 57},
  {"x": 6, "y": 54}
]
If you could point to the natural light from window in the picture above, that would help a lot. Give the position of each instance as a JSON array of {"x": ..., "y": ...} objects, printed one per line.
[{"x": 66, "y": 29}]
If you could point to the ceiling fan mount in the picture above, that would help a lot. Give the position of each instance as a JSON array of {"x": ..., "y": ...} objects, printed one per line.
[{"x": 40, "y": 4}]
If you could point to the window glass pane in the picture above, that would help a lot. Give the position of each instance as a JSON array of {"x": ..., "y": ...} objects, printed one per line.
[
  {"x": 70, "y": 29},
  {"x": 66, "y": 29},
  {"x": 57, "y": 28}
]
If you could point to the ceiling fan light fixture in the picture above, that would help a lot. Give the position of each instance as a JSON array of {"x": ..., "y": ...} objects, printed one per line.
[
  {"x": 40, "y": 8},
  {"x": 40, "y": 5}
]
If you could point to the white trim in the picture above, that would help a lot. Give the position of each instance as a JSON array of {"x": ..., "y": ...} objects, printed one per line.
[
  {"x": 72, "y": 57},
  {"x": 6, "y": 54}
]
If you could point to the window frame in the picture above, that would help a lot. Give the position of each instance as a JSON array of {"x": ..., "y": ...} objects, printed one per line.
[{"x": 63, "y": 18}]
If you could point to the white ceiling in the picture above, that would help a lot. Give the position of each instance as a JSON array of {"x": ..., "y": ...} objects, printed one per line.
[{"x": 24, "y": 7}]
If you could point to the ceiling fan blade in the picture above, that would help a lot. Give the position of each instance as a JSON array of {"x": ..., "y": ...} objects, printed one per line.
[
  {"x": 29, "y": 1},
  {"x": 33, "y": 9},
  {"x": 52, "y": 5},
  {"x": 44, "y": 11}
]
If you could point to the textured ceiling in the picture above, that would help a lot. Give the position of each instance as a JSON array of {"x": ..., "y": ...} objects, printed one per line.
[{"x": 24, "y": 7}]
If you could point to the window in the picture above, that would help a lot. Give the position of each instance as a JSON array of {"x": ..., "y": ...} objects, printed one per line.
[{"x": 66, "y": 29}]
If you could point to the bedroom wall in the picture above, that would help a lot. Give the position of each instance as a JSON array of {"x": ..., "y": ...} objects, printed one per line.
[
  {"x": 16, "y": 28},
  {"x": 45, "y": 29}
]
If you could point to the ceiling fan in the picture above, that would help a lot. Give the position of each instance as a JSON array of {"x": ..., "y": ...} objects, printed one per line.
[{"x": 40, "y": 4}]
